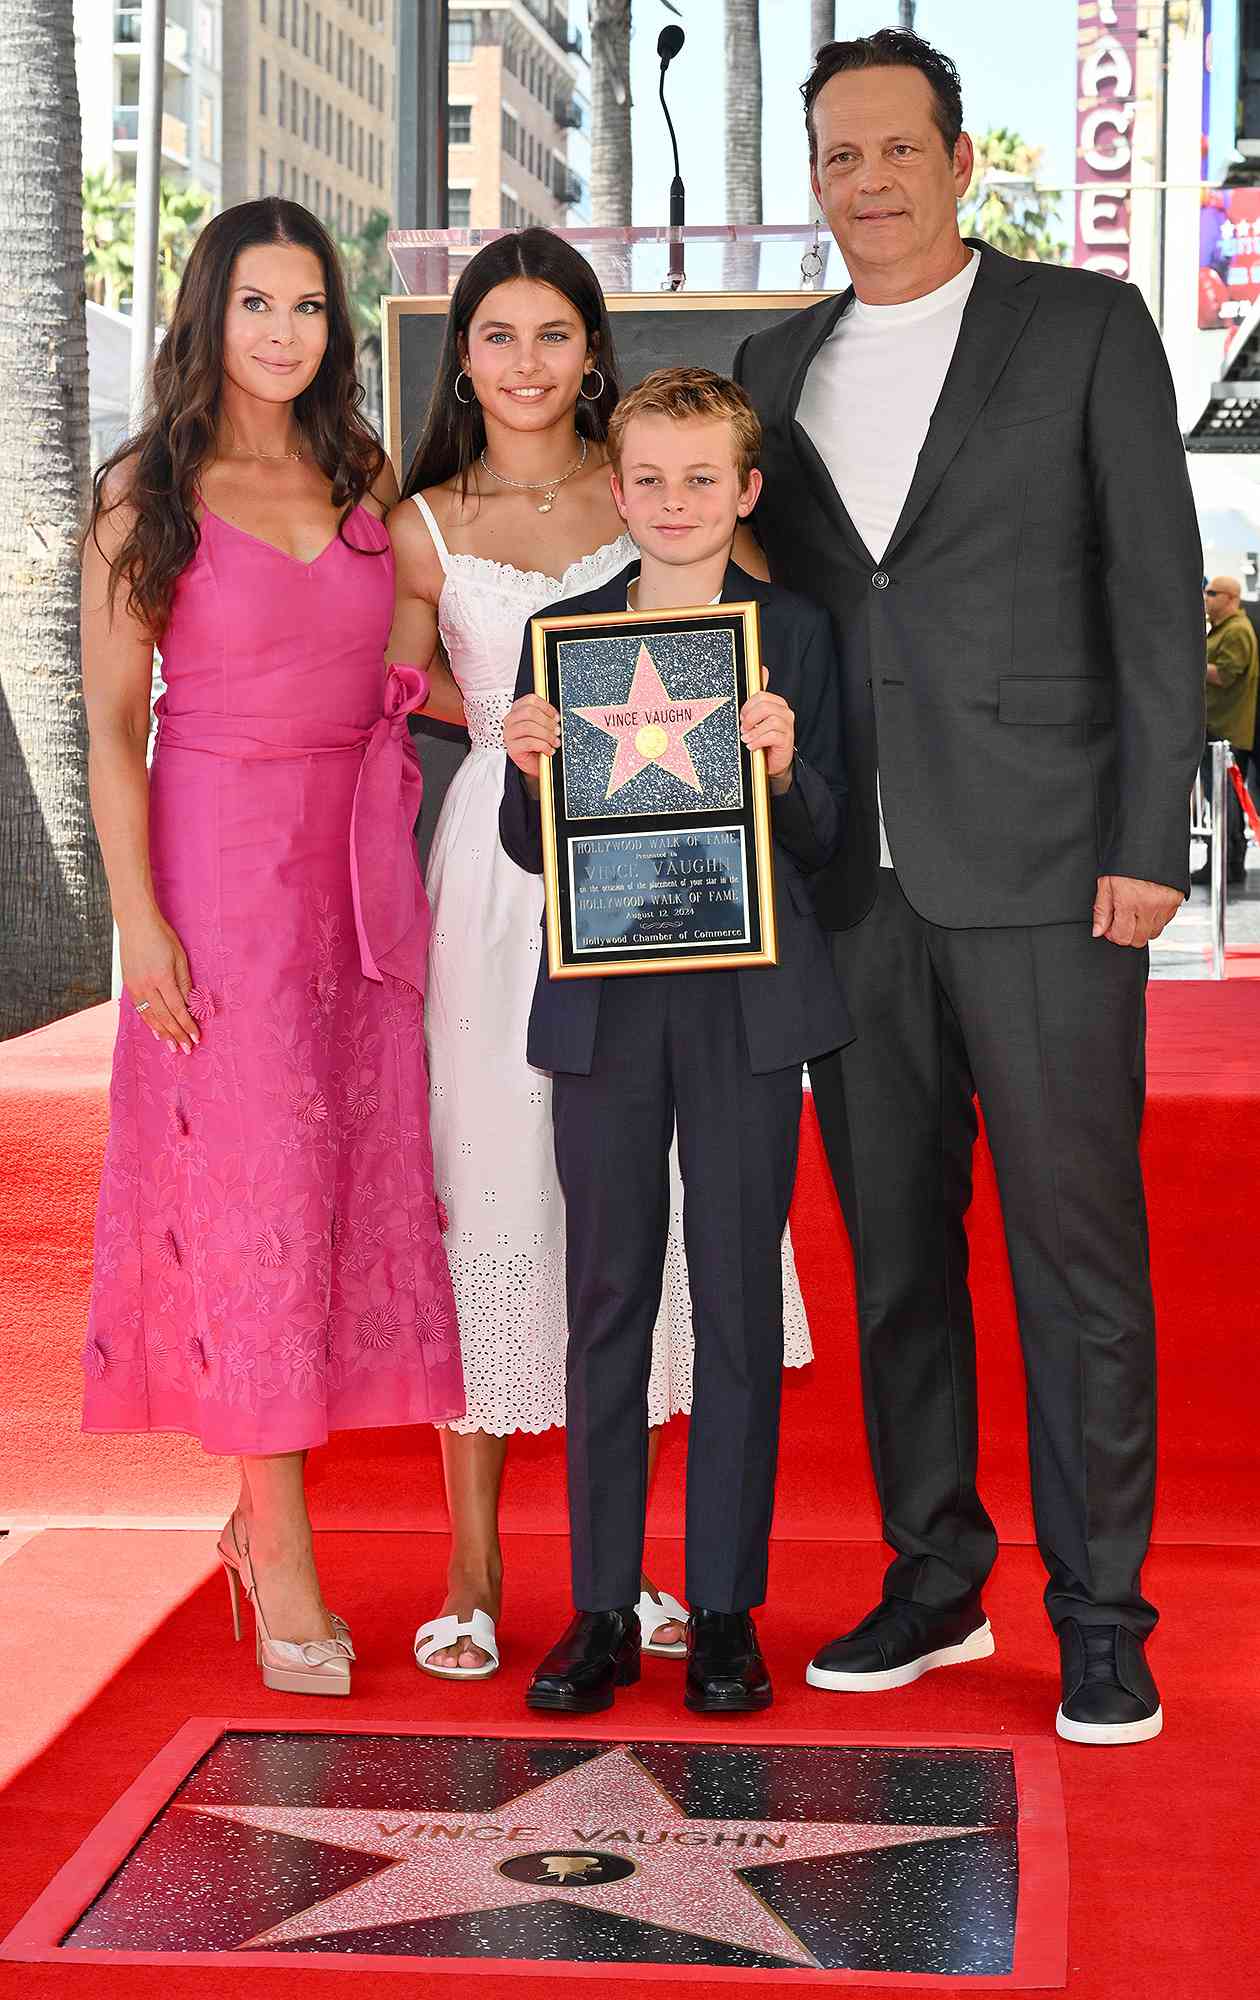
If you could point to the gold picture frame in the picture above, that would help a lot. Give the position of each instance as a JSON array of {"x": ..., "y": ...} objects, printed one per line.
[{"x": 691, "y": 883}]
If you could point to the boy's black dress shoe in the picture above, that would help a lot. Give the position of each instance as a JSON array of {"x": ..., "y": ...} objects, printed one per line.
[
  {"x": 897, "y": 1642},
  {"x": 725, "y": 1670},
  {"x": 1109, "y": 1692},
  {"x": 599, "y": 1652}
]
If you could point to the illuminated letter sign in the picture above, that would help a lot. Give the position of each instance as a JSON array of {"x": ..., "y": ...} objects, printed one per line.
[{"x": 1106, "y": 58}]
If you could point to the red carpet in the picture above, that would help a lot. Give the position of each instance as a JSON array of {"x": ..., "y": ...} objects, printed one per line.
[
  {"x": 1203, "y": 1180},
  {"x": 1161, "y": 1836}
]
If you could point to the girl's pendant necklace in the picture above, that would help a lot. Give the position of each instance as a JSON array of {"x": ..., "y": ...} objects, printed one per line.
[{"x": 547, "y": 487}]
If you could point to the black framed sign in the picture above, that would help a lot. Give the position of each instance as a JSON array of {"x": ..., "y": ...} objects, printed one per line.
[{"x": 656, "y": 817}]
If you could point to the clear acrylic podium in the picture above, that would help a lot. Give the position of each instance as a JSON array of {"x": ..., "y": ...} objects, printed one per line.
[{"x": 718, "y": 257}]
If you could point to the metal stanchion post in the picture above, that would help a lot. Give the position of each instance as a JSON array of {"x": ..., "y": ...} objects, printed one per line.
[{"x": 1219, "y": 858}]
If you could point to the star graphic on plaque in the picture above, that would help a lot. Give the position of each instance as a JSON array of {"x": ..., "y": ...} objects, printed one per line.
[
  {"x": 650, "y": 727},
  {"x": 604, "y": 1832}
]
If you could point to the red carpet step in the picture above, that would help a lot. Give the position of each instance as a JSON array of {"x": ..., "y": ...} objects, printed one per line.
[{"x": 1203, "y": 1180}]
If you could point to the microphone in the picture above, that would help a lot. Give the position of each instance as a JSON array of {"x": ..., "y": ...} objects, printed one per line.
[{"x": 668, "y": 44}]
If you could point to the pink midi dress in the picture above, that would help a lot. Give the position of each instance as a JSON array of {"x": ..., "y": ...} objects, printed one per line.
[{"x": 269, "y": 1262}]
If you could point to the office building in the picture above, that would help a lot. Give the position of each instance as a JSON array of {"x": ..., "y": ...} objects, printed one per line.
[
  {"x": 309, "y": 113},
  {"x": 519, "y": 132}
]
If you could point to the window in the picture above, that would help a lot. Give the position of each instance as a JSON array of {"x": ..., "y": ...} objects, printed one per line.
[
  {"x": 205, "y": 126},
  {"x": 262, "y": 86},
  {"x": 282, "y": 27},
  {"x": 306, "y": 190},
  {"x": 306, "y": 115},
  {"x": 460, "y": 40},
  {"x": 280, "y": 97},
  {"x": 551, "y": 83},
  {"x": 293, "y": 105},
  {"x": 319, "y": 122},
  {"x": 315, "y": 203},
  {"x": 340, "y": 137},
  {"x": 360, "y": 152},
  {"x": 360, "y": 69},
  {"x": 459, "y": 131},
  {"x": 508, "y": 134},
  {"x": 509, "y": 212},
  {"x": 341, "y": 55},
  {"x": 339, "y": 215},
  {"x": 510, "y": 60},
  {"x": 262, "y": 11},
  {"x": 205, "y": 34},
  {"x": 306, "y": 28},
  {"x": 459, "y": 208},
  {"x": 262, "y": 172}
]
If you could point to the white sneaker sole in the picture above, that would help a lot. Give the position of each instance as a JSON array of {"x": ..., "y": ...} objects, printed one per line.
[
  {"x": 1109, "y": 1732},
  {"x": 978, "y": 1645}
]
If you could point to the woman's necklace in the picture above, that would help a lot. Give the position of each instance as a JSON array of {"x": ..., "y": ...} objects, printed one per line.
[
  {"x": 243, "y": 451},
  {"x": 247, "y": 451},
  {"x": 547, "y": 487}
]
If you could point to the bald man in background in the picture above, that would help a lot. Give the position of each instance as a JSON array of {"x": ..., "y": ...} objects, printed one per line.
[{"x": 1233, "y": 671}]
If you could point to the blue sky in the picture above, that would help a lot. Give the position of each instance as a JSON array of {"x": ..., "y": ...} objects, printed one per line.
[{"x": 1023, "y": 78}]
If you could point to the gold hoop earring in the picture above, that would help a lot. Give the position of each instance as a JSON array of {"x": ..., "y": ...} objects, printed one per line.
[
  {"x": 464, "y": 401},
  {"x": 599, "y": 392}
]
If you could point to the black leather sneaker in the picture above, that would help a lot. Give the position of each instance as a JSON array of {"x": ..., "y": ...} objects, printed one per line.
[
  {"x": 725, "y": 1670},
  {"x": 1109, "y": 1692},
  {"x": 897, "y": 1643},
  {"x": 599, "y": 1652}
]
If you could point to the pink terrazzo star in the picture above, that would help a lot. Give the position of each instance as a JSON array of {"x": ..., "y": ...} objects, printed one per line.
[
  {"x": 650, "y": 728},
  {"x": 687, "y": 1873}
]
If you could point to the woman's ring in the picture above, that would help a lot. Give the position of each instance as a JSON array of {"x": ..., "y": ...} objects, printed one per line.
[{"x": 142, "y": 1006}]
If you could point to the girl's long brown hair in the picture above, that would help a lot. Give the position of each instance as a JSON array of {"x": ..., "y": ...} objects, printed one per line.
[{"x": 163, "y": 460}]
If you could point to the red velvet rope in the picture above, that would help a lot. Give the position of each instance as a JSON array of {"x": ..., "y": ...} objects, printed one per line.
[{"x": 1244, "y": 799}]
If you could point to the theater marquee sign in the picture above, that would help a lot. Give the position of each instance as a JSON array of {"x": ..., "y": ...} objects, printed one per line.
[{"x": 1106, "y": 104}]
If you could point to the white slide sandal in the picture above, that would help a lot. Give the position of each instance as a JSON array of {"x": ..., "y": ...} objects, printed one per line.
[
  {"x": 440, "y": 1633},
  {"x": 655, "y": 1612}
]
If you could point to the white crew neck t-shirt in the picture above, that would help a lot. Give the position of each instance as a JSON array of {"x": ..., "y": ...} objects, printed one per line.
[{"x": 867, "y": 402}]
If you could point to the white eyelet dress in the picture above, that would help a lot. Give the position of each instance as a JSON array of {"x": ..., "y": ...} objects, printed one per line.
[{"x": 494, "y": 1163}]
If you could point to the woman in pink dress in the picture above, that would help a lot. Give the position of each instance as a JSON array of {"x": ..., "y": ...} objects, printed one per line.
[{"x": 269, "y": 1264}]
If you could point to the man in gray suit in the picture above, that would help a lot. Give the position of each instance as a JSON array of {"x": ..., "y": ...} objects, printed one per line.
[{"x": 975, "y": 464}]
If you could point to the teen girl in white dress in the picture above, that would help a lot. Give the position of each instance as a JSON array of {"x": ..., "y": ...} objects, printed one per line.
[{"x": 509, "y": 510}]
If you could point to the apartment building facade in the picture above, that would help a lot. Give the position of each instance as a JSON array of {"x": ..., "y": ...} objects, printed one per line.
[
  {"x": 309, "y": 105},
  {"x": 107, "y": 62},
  {"x": 519, "y": 116}
]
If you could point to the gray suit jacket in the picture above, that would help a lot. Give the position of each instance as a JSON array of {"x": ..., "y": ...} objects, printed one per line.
[
  {"x": 1029, "y": 648},
  {"x": 792, "y": 1010}
]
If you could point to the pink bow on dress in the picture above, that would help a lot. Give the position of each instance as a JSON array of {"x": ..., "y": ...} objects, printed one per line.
[{"x": 391, "y": 910}]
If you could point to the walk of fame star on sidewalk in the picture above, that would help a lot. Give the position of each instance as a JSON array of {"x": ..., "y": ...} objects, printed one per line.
[
  {"x": 650, "y": 727},
  {"x": 691, "y": 1875}
]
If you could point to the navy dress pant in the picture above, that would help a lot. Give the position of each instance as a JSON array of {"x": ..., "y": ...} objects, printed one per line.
[{"x": 670, "y": 1049}]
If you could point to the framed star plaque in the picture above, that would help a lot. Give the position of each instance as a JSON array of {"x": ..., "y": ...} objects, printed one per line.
[{"x": 655, "y": 814}]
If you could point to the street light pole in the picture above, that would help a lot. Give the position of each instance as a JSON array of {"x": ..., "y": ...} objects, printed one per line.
[
  {"x": 906, "y": 13},
  {"x": 148, "y": 187}
]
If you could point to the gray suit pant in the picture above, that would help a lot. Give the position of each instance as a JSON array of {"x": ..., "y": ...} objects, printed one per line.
[{"x": 1046, "y": 1025}]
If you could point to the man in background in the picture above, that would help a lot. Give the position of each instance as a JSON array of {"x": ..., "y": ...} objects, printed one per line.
[{"x": 1233, "y": 669}]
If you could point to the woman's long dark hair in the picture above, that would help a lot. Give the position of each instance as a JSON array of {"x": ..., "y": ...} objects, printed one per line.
[
  {"x": 163, "y": 460},
  {"x": 454, "y": 431}
]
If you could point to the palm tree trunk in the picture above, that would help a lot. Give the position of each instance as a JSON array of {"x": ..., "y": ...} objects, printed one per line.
[
  {"x": 822, "y": 24},
  {"x": 54, "y": 906},
  {"x": 741, "y": 261},
  {"x": 612, "y": 169}
]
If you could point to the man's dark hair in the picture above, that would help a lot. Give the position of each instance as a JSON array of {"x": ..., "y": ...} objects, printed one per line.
[{"x": 889, "y": 48}]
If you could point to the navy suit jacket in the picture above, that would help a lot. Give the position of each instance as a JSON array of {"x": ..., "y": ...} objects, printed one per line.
[{"x": 792, "y": 1010}]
